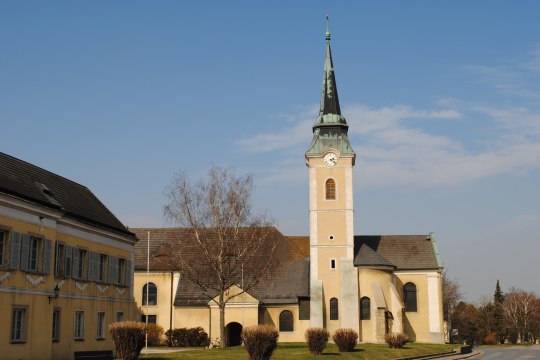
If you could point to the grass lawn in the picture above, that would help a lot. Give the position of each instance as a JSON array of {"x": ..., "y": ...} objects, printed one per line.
[{"x": 289, "y": 351}]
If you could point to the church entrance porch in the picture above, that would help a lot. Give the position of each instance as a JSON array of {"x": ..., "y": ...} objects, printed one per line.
[{"x": 233, "y": 332}]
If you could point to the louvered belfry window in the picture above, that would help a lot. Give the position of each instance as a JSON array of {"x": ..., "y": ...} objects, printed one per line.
[{"x": 330, "y": 189}]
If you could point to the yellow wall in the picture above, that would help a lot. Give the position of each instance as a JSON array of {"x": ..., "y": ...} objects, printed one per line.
[
  {"x": 416, "y": 324},
  {"x": 269, "y": 315},
  {"x": 162, "y": 310},
  {"x": 32, "y": 290}
]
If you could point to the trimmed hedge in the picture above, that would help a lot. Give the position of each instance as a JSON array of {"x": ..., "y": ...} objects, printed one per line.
[
  {"x": 345, "y": 339},
  {"x": 155, "y": 334},
  {"x": 260, "y": 341},
  {"x": 397, "y": 340},
  {"x": 187, "y": 337},
  {"x": 316, "y": 339},
  {"x": 129, "y": 338}
]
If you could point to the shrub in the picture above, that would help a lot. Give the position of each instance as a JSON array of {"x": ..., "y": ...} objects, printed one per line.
[
  {"x": 129, "y": 338},
  {"x": 316, "y": 339},
  {"x": 345, "y": 339},
  {"x": 397, "y": 340},
  {"x": 187, "y": 337},
  {"x": 155, "y": 334},
  {"x": 260, "y": 341},
  {"x": 491, "y": 339}
]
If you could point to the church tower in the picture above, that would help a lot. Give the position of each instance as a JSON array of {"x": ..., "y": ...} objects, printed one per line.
[{"x": 330, "y": 159}]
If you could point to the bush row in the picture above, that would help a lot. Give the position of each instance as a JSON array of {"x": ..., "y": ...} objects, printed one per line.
[{"x": 187, "y": 337}]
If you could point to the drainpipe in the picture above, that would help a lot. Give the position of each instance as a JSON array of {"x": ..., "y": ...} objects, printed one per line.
[{"x": 171, "y": 307}]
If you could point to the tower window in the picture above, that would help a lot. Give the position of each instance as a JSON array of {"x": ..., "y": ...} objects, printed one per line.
[
  {"x": 334, "y": 312},
  {"x": 409, "y": 297},
  {"x": 330, "y": 189},
  {"x": 332, "y": 263},
  {"x": 365, "y": 308}
]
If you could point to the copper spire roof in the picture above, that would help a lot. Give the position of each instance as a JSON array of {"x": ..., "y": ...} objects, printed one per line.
[{"x": 330, "y": 128}]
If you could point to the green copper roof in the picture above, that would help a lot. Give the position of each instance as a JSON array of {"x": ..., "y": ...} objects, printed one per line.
[{"x": 330, "y": 128}]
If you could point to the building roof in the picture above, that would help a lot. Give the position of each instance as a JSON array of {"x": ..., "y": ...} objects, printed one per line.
[
  {"x": 367, "y": 257},
  {"x": 289, "y": 280},
  {"x": 405, "y": 252},
  {"x": 28, "y": 182}
]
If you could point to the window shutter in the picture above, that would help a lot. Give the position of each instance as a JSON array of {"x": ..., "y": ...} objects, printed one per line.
[
  {"x": 25, "y": 251},
  {"x": 47, "y": 250},
  {"x": 129, "y": 274},
  {"x": 76, "y": 260},
  {"x": 15, "y": 257},
  {"x": 116, "y": 270},
  {"x": 68, "y": 261},
  {"x": 57, "y": 259},
  {"x": 92, "y": 275},
  {"x": 111, "y": 269}
]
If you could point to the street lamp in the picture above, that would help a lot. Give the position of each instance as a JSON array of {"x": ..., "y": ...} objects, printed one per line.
[{"x": 56, "y": 292}]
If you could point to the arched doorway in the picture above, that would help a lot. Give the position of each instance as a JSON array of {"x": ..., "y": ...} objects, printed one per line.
[{"x": 232, "y": 334}]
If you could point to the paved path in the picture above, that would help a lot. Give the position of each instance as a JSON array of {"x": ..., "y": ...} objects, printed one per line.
[{"x": 510, "y": 353}]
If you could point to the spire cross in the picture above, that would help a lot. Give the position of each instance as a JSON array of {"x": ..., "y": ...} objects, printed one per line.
[{"x": 327, "y": 29}]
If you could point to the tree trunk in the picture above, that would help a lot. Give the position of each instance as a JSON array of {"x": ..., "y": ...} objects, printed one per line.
[{"x": 222, "y": 321}]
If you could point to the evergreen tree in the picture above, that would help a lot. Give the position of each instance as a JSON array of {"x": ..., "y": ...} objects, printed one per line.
[{"x": 498, "y": 325}]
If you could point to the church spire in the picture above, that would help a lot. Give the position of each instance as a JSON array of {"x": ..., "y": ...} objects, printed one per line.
[
  {"x": 330, "y": 128},
  {"x": 329, "y": 97}
]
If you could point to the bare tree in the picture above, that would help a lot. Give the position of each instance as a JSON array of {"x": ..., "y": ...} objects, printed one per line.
[
  {"x": 486, "y": 320},
  {"x": 451, "y": 296},
  {"x": 227, "y": 244},
  {"x": 519, "y": 309}
]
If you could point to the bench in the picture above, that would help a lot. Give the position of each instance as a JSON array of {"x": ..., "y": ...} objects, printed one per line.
[{"x": 94, "y": 355}]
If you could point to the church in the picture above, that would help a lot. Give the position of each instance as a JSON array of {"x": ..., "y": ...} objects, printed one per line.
[{"x": 376, "y": 285}]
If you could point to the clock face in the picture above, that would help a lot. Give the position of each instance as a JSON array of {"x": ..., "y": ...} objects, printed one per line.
[{"x": 330, "y": 159}]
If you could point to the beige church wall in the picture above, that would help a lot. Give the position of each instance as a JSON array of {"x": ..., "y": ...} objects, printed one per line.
[
  {"x": 331, "y": 224},
  {"x": 269, "y": 315},
  {"x": 193, "y": 316},
  {"x": 162, "y": 280},
  {"x": 416, "y": 324},
  {"x": 366, "y": 278},
  {"x": 245, "y": 315}
]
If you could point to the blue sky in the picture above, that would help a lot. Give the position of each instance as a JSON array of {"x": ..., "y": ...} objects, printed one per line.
[{"x": 442, "y": 99}]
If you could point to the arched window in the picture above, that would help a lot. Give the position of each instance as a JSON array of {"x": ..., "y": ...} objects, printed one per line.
[
  {"x": 152, "y": 294},
  {"x": 365, "y": 308},
  {"x": 409, "y": 296},
  {"x": 286, "y": 321},
  {"x": 330, "y": 189},
  {"x": 334, "y": 312}
]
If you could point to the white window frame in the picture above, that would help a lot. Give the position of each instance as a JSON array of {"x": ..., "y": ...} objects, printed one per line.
[
  {"x": 78, "y": 327},
  {"x": 100, "y": 325},
  {"x": 101, "y": 268},
  {"x": 56, "y": 325},
  {"x": 18, "y": 324},
  {"x": 34, "y": 246}
]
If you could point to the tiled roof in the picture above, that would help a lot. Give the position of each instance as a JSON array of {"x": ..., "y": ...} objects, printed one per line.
[
  {"x": 366, "y": 256},
  {"x": 406, "y": 252},
  {"x": 28, "y": 182},
  {"x": 289, "y": 280}
]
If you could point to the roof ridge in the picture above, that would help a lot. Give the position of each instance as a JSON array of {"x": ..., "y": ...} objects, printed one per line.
[{"x": 45, "y": 170}]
